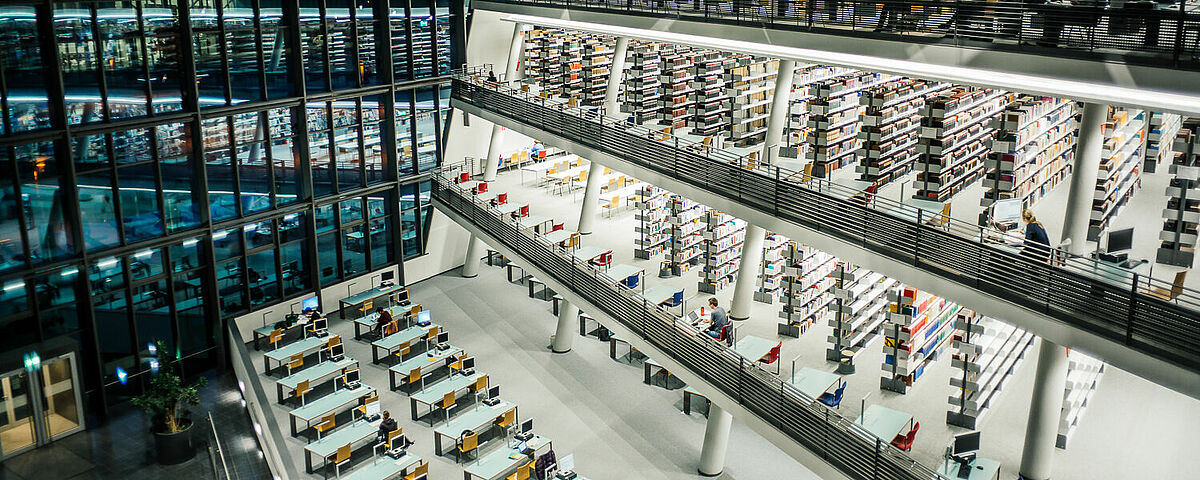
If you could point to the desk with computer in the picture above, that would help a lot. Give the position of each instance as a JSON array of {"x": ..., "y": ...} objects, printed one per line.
[
  {"x": 518, "y": 457},
  {"x": 961, "y": 460}
]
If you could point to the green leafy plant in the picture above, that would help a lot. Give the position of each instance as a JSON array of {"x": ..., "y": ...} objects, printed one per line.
[{"x": 166, "y": 398}]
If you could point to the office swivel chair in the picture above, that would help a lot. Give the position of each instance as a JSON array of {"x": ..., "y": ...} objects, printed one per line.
[
  {"x": 724, "y": 335},
  {"x": 833, "y": 399},
  {"x": 905, "y": 442}
]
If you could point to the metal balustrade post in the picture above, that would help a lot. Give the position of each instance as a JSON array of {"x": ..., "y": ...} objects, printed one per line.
[
  {"x": 917, "y": 238},
  {"x": 1133, "y": 296}
]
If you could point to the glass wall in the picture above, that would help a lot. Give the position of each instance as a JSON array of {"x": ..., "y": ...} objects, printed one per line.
[{"x": 177, "y": 201}]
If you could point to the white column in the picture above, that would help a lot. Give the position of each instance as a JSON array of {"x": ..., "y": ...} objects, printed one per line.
[
  {"x": 492, "y": 162},
  {"x": 1045, "y": 407},
  {"x": 475, "y": 250},
  {"x": 591, "y": 193},
  {"x": 513, "y": 71},
  {"x": 747, "y": 275},
  {"x": 777, "y": 123},
  {"x": 716, "y": 441},
  {"x": 568, "y": 324},
  {"x": 1050, "y": 381}
]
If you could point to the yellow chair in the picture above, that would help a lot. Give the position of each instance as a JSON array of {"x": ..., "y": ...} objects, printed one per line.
[
  {"x": 941, "y": 220},
  {"x": 274, "y": 338},
  {"x": 341, "y": 457},
  {"x": 391, "y": 327},
  {"x": 506, "y": 420},
  {"x": 333, "y": 341},
  {"x": 525, "y": 472},
  {"x": 422, "y": 469},
  {"x": 447, "y": 404},
  {"x": 294, "y": 362},
  {"x": 466, "y": 444},
  {"x": 366, "y": 307},
  {"x": 481, "y": 384},
  {"x": 404, "y": 348},
  {"x": 302, "y": 389},
  {"x": 362, "y": 409},
  {"x": 1168, "y": 295},
  {"x": 327, "y": 424},
  {"x": 433, "y": 333},
  {"x": 414, "y": 376}
]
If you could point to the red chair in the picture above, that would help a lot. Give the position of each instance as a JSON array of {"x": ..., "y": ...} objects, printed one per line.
[
  {"x": 464, "y": 177},
  {"x": 723, "y": 335},
  {"x": 523, "y": 211},
  {"x": 604, "y": 260},
  {"x": 905, "y": 442},
  {"x": 773, "y": 356},
  {"x": 541, "y": 154},
  {"x": 557, "y": 227},
  {"x": 481, "y": 188},
  {"x": 501, "y": 199}
]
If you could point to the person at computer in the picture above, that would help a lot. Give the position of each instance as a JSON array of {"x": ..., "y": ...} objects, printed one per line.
[
  {"x": 387, "y": 426},
  {"x": 718, "y": 319},
  {"x": 1037, "y": 242},
  {"x": 383, "y": 317}
]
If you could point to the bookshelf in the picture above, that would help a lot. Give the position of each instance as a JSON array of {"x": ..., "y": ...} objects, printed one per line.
[
  {"x": 1120, "y": 166},
  {"x": 642, "y": 84},
  {"x": 596, "y": 65},
  {"x": 721, "y": 250},
  {"x": 684, "y": 229},
  {"x": 1031, "y": 152},
  {"x": 797, "y": 130},
  {"x": 954, "y": 133},
  {"x": 751, "y": 88},
  {"x": 1161, "y": 135},
  {"x": 770, "y": 274},
  {"x": 1181, "y": 218},
  {"x": 891, "y": 124},
  {"x": 833, "y": 120},
  {"x": 986, "y": 353},
  {"x": 675, "y": 92},
  {"x": 857, "y": 310},
  {"x": 806, "y": 289},
  {"x": 1083, "y": 376},
  {"x": 708, "y": 109},
  {"x": 652, "y": 229},
  {"x": 919, "y": 325},
  {"x": 543, "y": 58}
]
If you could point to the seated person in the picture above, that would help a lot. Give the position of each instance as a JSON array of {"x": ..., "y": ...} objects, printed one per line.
[
  {"x": 386, "y": 426},
  {"x": 718, "y": 319},
  {"x": 383, "y": 318}
]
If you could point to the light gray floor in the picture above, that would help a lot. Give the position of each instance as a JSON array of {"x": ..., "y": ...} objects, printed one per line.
[{"x": 1132, "y": 429}]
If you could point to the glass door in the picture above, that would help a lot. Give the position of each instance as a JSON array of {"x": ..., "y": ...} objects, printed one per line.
[
  {"x": 17, "y": 430},
  {"x": 61, "y": 403}
]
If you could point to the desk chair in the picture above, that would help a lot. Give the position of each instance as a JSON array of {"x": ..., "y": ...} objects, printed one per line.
[
  {"x": 725, "y": 336},
  {"x": 403, "y": 350},
  {"x": 327, "y": 424},
  {"x": 395, "y": 439},
  {"x": 341, "y": 457},
  {"x": 464, "y": 177},
  {"x": 295, "y": 362},
  {"x": 525, "y": 472},
  {"x": 676, "y": 299},
  {"x": 467, "y": 443},
  {"x": 362, "y": 409},
  {"x": 833, "y": 399},
  {"x": 457, "y": 365},
  {"x": 448, "y": 402},
  {"x": 501, "y": 199},
  {"x": 905, "y": 442},
  {"x": 612, "y": 205},
  {"x": 481, "y": 384},
  {"x": 302, "y": 389},
  {"x": 1168, "y": 295},
  {"x": 507, "y": 420},
  {"x": 941, "y": 220},
  {"x": 773, "y": 357},
  {"x": 391, "y": 327},
  {"x": 365, "y": 308},
  {"x": 604, "y": 260},
  {"x": 421, "y": 471},
  {"x": 414, "y": 376},
  {"x": 274, "y": 338},
  {"x": 433, "y": 333}
]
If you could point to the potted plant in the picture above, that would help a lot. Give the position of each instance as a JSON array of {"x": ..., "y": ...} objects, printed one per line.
[{"x": 166, "y": 400}]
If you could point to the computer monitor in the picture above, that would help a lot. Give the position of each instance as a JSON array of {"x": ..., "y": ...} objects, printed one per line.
[
  {"x": 402, "y": 294},
  {"x": 388, "y": 275},
  {"x": 1006, "y": 211},
  {"x": 443, "y": 337},
  {"x": 321, "y": 324},
  {"x": 966, "y": 443},
  {"x": 468, "y": 363},
  {"x": 351, "y": 376},
  {"x": 337, "y": 351},
  {"x": 493, "y": 392},
  {"x": 309, "y": 304},
  {"x": 567, "y": 463},
  {"x": 527, "y": 426},
  {"x": 371, "y": 409},
  {"x": 1120, "y": 240},
  {"x": 423, "y": 318}
]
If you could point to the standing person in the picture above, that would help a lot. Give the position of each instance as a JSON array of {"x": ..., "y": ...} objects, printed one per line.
[
  {"x": 1037, "y": 243},
  {"x": 718, "y": 319}
]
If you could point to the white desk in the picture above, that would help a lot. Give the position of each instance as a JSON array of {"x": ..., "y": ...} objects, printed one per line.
[
  {"x": 590, "y": 252},
  {"x": 813, "y": 382},
  {"x": 509, "y": 208},
  {"x": 538, "y": 223},
  {"x": 351, "y": 434},
  {"x": 315, "y": 375},
  {"x": 558, "y": 236},
  {"x": 660, "y": 294},
  {"x": 424, "y": 362},
  {"x": 432, "y": 394},
  {"x": 621, "y": 272},
  {"x": 332, "y": 403},
  {"x": 981, "y": 469},
  {"x": 754, "y": 348},
  {"x": 884, "y": 422},
  {"x": 384, "y": 467},
  {"x": 299, "y": 347},
  {"x": 394, "y": 341},
  {"x": 473, "y": 420},
  {"x": 502, "y": 461}
]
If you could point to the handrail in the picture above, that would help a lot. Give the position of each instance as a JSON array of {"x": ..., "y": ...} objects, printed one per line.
[
  {"x": 1083, "y": 292},
  {"x": 1138, "y": 32},
  {"x": 219, "y": 450},
  {"x": 837, "y": 439}
]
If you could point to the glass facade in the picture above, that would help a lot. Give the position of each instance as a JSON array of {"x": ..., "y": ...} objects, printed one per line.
[{"x": 166, "y": 166}]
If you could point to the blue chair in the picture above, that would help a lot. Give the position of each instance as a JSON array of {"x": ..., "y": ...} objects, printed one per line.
[
  {"x": 833, "y": 399},
  {"x": 631, "y": 281},
  {"x": 677, "y": 299}
]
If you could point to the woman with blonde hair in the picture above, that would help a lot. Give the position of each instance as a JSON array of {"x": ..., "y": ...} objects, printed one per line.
[{"x": 1037, "y": 242}]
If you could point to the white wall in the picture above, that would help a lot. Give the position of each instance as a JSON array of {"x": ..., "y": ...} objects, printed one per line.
[{"x": 447, "y": 249}]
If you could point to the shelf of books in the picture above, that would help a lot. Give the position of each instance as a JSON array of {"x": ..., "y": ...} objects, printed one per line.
[
  {"x": 1083, "y": 376},
  {"x": 955, "y": 128},
  {"x": 891, "y": 127},
  {"x": 721, "y": 250},
  {"x": 675, "y": 92},
  {"x": 770, "y": 274},
  {"x": 834, "y": 120},
  {"x": 797, "y": 130},
  {"x": 597, "y": 62},
  {"x": 751, "y": 88},
  {"x": 857, "y": 310},
  {"x": 708, "y": 110},
  {"x": 641, "y": 83},
  {"x": 684, "y": 226},
  {"x": 1031, "y": 151},
  {"x": 545, "y": 59},
  {"x": 919, "y": 326},
  {"x": 1120, "y": 166},
  {"x": 652, "y": 228},
  {"x": 806, "y": 290},
  {"x": 986, "y": 353},
  {"x": 1159, "y": 138},
  {"x": 1181, "y": 218}
]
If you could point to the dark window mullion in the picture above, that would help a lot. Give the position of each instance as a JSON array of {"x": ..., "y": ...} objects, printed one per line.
[
  {"x": 258, "y": 52},
  {"x": 352, "y": 57},
  {"x": 138, "y": 8},
  {"x": 412, "y": 131},
  {"x": 235, "y": 161},
  {"x": 115, "y": 187},
  {"x": 17, "y": 187},
  {"x": 361, "y": 141},
  {"x": 105, "y": 110},
  {"x": 264, "y": 119},
  {"x": 324, "y": 22},
  {"x": 225, "y": 46}
]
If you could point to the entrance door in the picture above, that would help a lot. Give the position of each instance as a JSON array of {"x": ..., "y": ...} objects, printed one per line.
[{"x": 37, "y": 408}]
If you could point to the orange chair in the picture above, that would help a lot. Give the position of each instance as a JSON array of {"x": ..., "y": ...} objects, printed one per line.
[
  {"x": 468, "y": 443},
  {"x": 340, "y": 458},
  {"x": 506, "y": 420},
  {"x": 449, "y": 400},
  {"x": 302, "y": 389},
  {"x": 362, "y": 409},
  {"x": 295, "y": 362},
  {"x": 327, "y": 424},
  {"x": 422, "y": 469},
  {"x": 1168, "y": 295}
]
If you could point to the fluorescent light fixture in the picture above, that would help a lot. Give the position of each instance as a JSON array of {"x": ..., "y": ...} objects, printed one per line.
[
  {"x": 69, "y": 272},
  {"x": 189, "y": 243},
  {"x": 107, "y": 263},
  {"x": 219, "y": 235},
  {"x": 143, "y": 254},
  {"x": 8, "y": 287}
]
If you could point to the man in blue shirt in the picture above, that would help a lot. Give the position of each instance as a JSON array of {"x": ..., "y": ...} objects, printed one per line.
[{"x": 719, "y": 319}]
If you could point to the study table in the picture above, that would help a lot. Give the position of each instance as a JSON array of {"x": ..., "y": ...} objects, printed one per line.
[
  {"x": 884, "y": 422},
  {"x": 315, "y": 375},
  {"x": 474, "y": 420},
  {"x": 660, "y": 294},
  {"x": 754, "y": 348},
  {"x": 487, "y": 196},
  {"x": 590, "y": 252},
  {"x": 981, "y": 469},
  {"x": 422, "y": 363},
  {"x": 368, "y": 321},
  {"x": 813, "y": 382},
  {"x": 369, "y": 294},
  {"x": 557, "y": 236},
  {"x": 503, "y": 461},
  {"x": 398, "y": 340},
  {"x": 688, "y": 393},
  {"x": 432, "y": 394},
  {"x": 265, "y": 330},
  {"x": 509, "y": 208},
  {"x": 332, "y": 403},
  {"x": 384, "y": 467},
  {"x": 539, "y": 223},
  {"x": 622, "y": 272},
  {"x": 352, "y": 434},
  {"x": 300, "y": 347}
]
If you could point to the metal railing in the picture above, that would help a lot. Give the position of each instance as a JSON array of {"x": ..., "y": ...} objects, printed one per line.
[
  {"x": 1138, "y": 32},
  {"x": 215, "y": 452},
  {"x": 1080, "y": 291},
  {"x": 836, "y": 439}
]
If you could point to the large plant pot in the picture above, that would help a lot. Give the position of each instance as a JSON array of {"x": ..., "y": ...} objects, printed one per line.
[{"x": 174, "y": 448}]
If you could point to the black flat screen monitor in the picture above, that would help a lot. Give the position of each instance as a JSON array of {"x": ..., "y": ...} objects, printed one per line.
[
  {"x": 388, "y": 275},
  {"x": 527, "y": 426},
  {"x": 351, "y": 376},
  {"x": 321, "y": 324},
  {"x": 469, "y": 363},
  {"x": 402, "y": 295},
  {"x": 494, "y": 392},
  {"x": 1120, "y": 240},
  {"x": 337, "y": 350},
  {"x": 443, "y": 337},
  {"x": 966, "y": 443}
]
